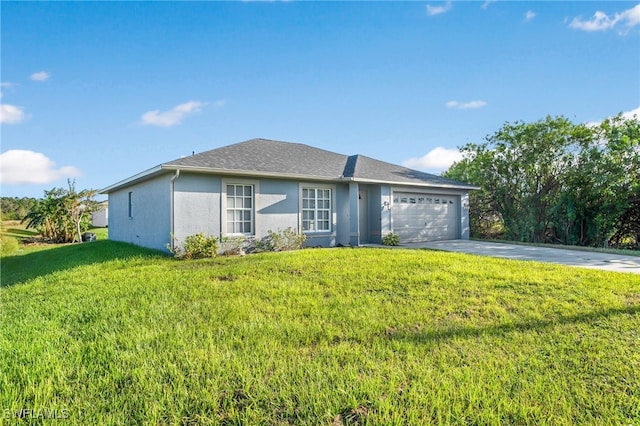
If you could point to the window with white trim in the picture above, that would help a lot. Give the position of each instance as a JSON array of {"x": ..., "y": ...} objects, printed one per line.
[
  {"x": 240, "y": 209},
  {"x": 316, "y": 209}
]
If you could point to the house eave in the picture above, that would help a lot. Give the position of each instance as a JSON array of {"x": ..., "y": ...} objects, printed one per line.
[
  {"x": 157, "y": 170},
  {"x": 249, "y": 173},
  {"x": 154, "y": 171},
  {"x": 419, "y": 184}
]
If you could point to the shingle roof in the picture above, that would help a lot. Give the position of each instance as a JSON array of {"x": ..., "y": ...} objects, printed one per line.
[
  {"x": 376, "y": 170},
  {"x": 286, "y": 158},
  {"x": 265, "y": 157}
]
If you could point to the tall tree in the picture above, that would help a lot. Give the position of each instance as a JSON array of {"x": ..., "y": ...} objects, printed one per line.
[
  {"x": 555, "y": 181},
  {"x": 64, "y": 213}
]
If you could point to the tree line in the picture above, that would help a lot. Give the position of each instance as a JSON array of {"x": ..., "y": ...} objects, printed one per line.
[
  {"x": 14, "y": 208},
  {"x": 555, "y": 181}
]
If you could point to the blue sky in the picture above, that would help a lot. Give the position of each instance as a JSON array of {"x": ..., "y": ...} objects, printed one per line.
[{"x": 101, "y": 91}]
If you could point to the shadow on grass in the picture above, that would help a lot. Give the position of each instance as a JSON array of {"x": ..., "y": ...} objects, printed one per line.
[
  {"x": 17, "y": 269},
  {"x": 430, "y": 336},
  {"x": 18, "y": 232}
]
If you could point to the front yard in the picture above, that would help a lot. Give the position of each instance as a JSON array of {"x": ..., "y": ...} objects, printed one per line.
[{"x": 107, "y": 333}]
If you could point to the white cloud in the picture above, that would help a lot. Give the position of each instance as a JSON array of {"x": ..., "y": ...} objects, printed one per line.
[
  {"x": 602, "y": 22},
  {"x": 438, "y": 159},
  {"x": 529, "y": 15},
  {"x": 626, "y": 114},
  {"x": 40, "y": 76},
  {"x": 437, "y": 10},
  {"x": 22, "y": 166},
  {"x": 11, "y": 114},
  {"x": 630, "y": 114},
  {"x": 6, "y": 84},
  {"x": 172, "y": 117},
  {"x": 486, "y": 4},
  {"x": 466, "y": 105}
]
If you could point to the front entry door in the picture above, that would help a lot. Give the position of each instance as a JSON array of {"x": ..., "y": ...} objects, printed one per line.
[{"x": 363, "y": 219}]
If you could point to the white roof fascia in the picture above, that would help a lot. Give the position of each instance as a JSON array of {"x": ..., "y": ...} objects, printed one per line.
[
  {"x": 125, "y": 182},
  {"x": 255, "y": 173},
  {"x": 208, "y": 170},
  {"x": 425, "y": 184}
]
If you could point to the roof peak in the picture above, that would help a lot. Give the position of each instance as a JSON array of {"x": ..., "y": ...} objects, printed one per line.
[{"x": 293, "y": 160}]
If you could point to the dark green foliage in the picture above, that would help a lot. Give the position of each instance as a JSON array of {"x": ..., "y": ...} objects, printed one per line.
[
  {"x": 230, "y": 246},
  {"x": 557, "y": 182},
  {"x": 197, "y": 246},
  {"x": 13, "y": 208},
  {"x": 63, "y": 215},
  {"x": 391, "y": 239},
  {"x": 286, "y": 240}
]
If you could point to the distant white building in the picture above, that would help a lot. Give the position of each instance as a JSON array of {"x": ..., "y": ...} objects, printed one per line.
[{"x": 100, "y": 218}]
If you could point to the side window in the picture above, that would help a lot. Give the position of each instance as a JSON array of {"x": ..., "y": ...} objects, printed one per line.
[
  {"x": 316, "y": 209},
  {"x": 240, "y": 209}
]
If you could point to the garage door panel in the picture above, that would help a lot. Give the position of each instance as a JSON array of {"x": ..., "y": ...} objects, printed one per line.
[{"x": 425, "y": 217}]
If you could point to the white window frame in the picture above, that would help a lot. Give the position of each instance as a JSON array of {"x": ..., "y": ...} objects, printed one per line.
[
  {"x": 226, "y": 209},
  {"x": 316, "y": 205}
]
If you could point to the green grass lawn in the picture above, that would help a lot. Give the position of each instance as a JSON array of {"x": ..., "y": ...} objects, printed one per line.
[{"x": 107, "y": 333}]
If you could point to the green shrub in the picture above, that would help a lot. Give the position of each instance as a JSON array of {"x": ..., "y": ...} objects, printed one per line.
[
  {"x": 197, "y": 246},
  {"x": 8, "y": 245},
  {"x": 289, "y": 239},
  {"x": 391, "y": 239},
  {"x": 230, "y": 246}
]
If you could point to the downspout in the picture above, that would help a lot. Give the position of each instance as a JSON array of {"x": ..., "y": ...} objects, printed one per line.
[{"x": 172, "y": 207}]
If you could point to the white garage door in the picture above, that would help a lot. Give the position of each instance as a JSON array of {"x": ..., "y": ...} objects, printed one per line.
[{"x": 425, "y": 217}]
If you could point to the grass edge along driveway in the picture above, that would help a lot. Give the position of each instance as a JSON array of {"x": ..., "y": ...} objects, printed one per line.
[{"x": 108, "y": 333}]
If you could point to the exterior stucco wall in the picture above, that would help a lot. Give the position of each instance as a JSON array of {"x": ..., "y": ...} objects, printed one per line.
[
  {"x": 385, "y": 210},
  {"x": 149, "y": 224},
  {"x": 199, "y": 205},
  {"x": 277, "y": 205},
  {"x": 342, "y": 214},
  {"x": 465, "y": 225},
  {"x": 196, "y": 205}
]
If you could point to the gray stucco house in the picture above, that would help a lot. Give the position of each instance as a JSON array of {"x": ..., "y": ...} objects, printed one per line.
[{"x": 259, "y": 185}]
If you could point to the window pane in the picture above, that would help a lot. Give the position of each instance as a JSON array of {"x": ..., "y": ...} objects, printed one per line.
[
  {"x": 248, "y": 190},
  {"x": 316, "y": 209},
  {"x": 231, "y": 190},
  {"x": 247, "y": 203}
]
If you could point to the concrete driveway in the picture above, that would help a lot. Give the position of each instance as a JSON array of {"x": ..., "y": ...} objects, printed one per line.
[{"x": 583, "y": 259}]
